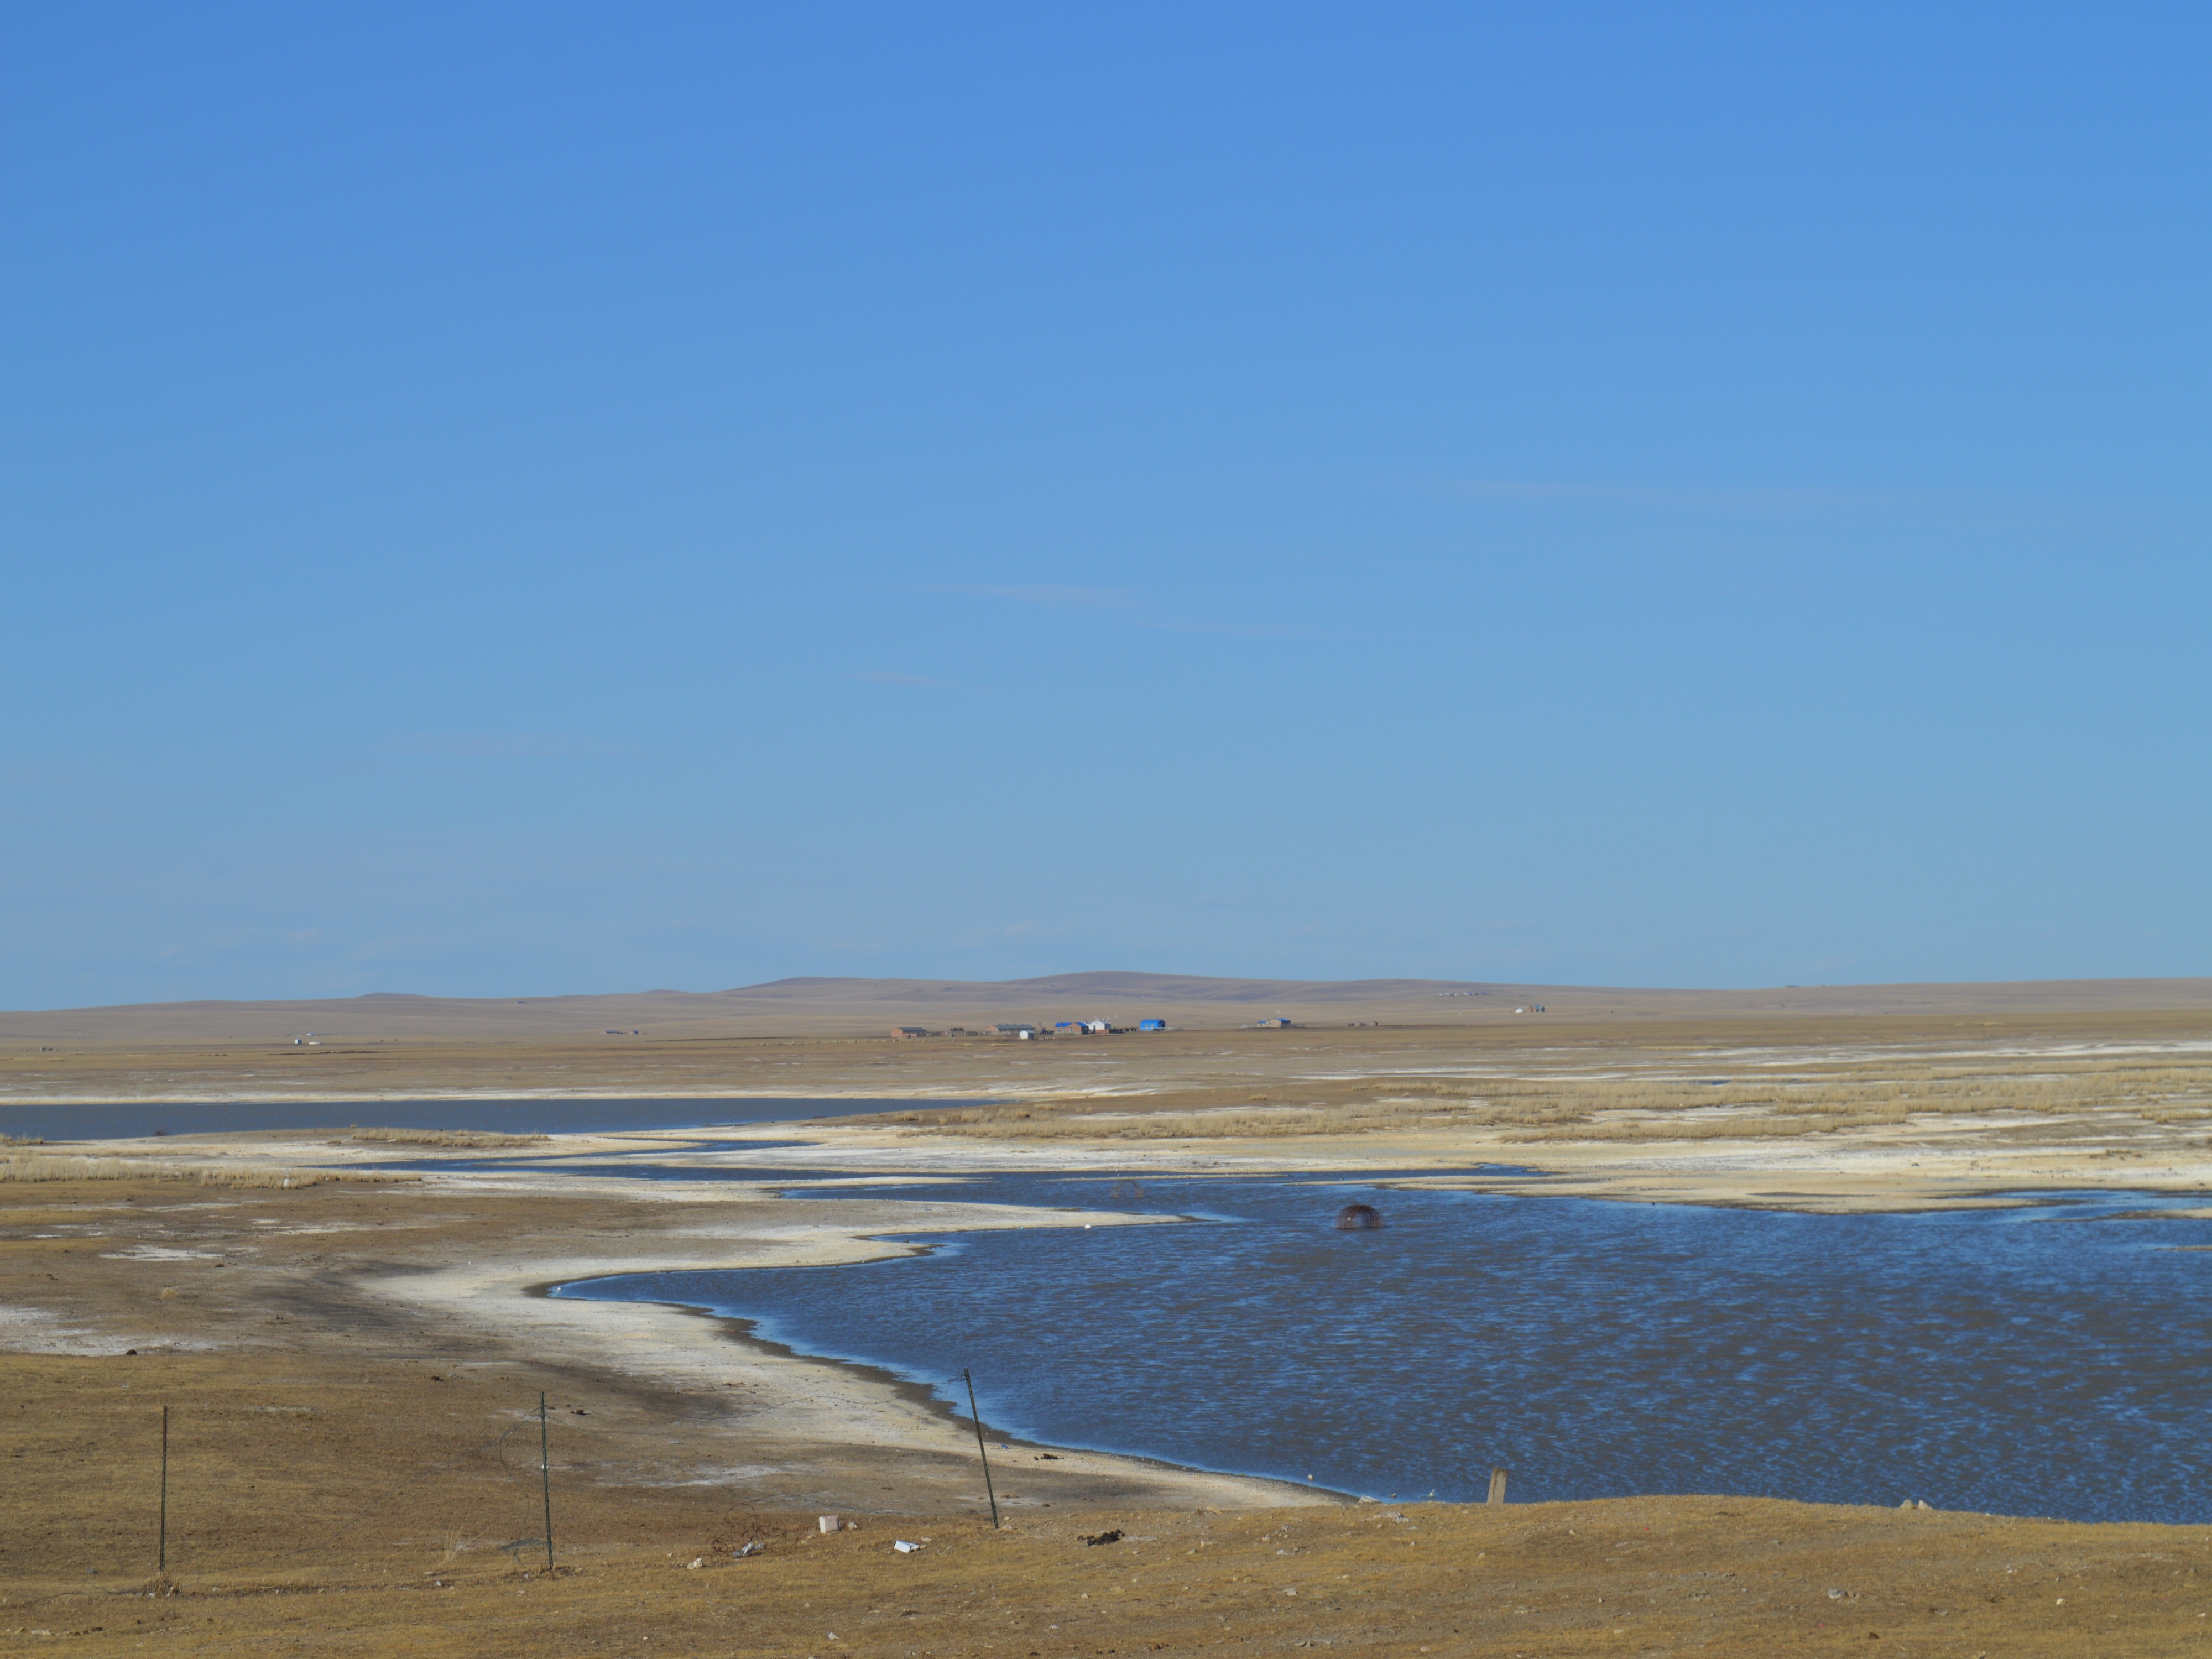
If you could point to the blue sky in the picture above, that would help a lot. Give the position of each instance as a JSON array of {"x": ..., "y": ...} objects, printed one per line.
[{"x": 520, "y": 500}]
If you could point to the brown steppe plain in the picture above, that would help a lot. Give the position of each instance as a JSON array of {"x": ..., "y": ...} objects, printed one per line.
[{"x": 352, "y": 1357}]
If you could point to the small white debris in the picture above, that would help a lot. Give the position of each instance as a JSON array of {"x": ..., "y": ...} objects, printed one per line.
[
  {"x": 904, "y": 1546},
  {"x": 828, "y": 1522},
  {"x": 743, "y": 1550}
]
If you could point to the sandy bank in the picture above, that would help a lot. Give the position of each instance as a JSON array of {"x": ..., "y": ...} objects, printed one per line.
[{"x": 445, "y": 1275}]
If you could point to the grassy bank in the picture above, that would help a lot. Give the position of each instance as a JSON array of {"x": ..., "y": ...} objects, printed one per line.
[{"x": 366, "y": 1513}]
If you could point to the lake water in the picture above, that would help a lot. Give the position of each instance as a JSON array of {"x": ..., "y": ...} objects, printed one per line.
[
  {"x": 132, "y": 1119},
  {"x": 2055, "y": 1360}
]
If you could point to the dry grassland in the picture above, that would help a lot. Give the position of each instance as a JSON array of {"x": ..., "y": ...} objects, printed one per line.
[
  {"x": 21, "y": 1166},
  {"x": 833, "y": 1040},
  {"x": 382, "y": 1508},
  {"x": 1819, "y": 1095}
]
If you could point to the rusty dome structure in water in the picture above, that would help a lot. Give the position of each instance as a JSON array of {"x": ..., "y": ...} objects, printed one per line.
[{"x": 1358, "y": 1219}]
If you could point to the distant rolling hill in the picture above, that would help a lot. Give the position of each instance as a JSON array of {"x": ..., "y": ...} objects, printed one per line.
[{"x": 826, "y": 1006}]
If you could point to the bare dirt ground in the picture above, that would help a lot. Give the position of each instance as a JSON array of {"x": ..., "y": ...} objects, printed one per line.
[{"x": 353, "y": 1366}]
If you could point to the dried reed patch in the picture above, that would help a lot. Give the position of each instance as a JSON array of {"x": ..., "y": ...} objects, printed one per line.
[
  {"x": 52, "y": 1166},
  {"x": 447, "y": 1138},
  {"x": 1661, "y": 1100}
]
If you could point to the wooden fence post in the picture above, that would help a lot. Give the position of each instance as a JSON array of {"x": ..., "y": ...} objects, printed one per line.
[
  {"x": 545, "y": 1477},
  {"x": 979, "y": 1452}
]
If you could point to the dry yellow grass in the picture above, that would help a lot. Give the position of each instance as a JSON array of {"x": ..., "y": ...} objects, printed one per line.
[
  {"x": 1555, "y": 1099},
  {"x": 447, "y": 1137},
  {"x": 55, "y": 1166},
  {"x": 379, "y": 1509}
]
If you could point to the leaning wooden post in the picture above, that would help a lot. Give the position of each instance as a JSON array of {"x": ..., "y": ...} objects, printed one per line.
[
  {"x": 545, "y": 1477},
  {"x": 1497, "y": 1485},
  {"x": 162, "y": 1559},
  {"x": 979, "y": 1452}
]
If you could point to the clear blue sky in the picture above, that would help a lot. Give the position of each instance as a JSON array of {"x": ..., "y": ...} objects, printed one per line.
[{"x": 519, "y": 500}]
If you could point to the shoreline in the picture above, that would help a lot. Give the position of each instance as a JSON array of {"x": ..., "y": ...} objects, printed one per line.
[
  {"x": 738, "y": 1329},
  {"x": 789, "y": 1396},
  {"x": 1908, "y": 1168},
  {"x": 498, "y": 1302},
  {"x": 1940, "y": 1107}
]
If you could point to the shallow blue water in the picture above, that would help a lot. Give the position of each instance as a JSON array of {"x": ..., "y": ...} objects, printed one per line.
[
  {"x": 97, "y": 1121},
  {"x": 2037, "y": 1362}
]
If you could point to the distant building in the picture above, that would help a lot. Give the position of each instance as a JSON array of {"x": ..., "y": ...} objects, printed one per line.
[
  {"x": 1278, "y": 1023},
  {"x": 908, "y": 1031},
  {"x": 1096, "y": 1026},
  {"x": 1152, "y": 1025}
]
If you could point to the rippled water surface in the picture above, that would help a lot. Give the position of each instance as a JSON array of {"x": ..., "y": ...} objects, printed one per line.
[{"x": 2054, "y": 1360}]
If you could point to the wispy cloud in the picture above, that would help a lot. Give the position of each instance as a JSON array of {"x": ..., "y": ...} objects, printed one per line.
[
  {"x": 461, "y": 745},
  {"x": 1720, "y": 499},
  {"x": 1131, "y": 607},
  {"x": 1011, "y": 931},
  {"x": 1016, "y": 930},
  {"x": 1048, "y": 594},
  {"x": 924, "y": 682},
  {"x": 1243, "y": 630}
]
